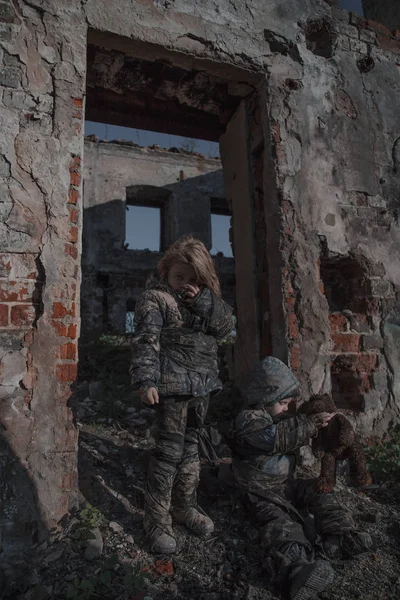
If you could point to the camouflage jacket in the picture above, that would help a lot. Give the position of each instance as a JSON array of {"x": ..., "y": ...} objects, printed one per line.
[
  {"x": 264, "y": 447},
  {"x": 174, "y": 345}
]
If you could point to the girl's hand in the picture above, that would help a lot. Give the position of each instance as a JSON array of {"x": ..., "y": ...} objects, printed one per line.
[
  {"x": 150, "y": 396},
  {"x": 321, "y": 420},
  {"x": 191, "y": 292}
]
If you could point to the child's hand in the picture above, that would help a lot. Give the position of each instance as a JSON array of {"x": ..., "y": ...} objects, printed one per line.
[
  {"x": 150, "y": 396},
  {"x": 321, "y": 419},
  {"x": 191, "y": 292}
]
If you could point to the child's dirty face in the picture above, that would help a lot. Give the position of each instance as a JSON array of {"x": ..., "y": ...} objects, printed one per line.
[
  {"x": 181, "y": 274},
  {"x": 279, "y": 407}
]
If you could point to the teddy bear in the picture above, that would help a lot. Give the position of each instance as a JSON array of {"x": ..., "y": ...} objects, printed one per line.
[{"x": 336, "y": 441}]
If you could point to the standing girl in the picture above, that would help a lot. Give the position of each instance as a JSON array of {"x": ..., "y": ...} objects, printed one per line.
[{"x": 178, "y": 319}]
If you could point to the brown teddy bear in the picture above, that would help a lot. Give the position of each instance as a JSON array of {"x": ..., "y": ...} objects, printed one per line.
[{"x": 335, "y": 442}]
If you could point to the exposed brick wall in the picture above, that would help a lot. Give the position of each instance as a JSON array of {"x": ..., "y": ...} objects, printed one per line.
[
  {"x": 41, "y": 116},
  {"x": 355, "y": 304}
]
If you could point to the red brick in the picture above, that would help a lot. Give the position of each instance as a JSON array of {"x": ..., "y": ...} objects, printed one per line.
[
  {"x": 293, "y": 327},
  {"x": 346, "y": 342},
  {"x": 388, "y": 43},
  {"x": 22, "y": 315},
  {"x": 3, "y": 315},
  {"x": 63, "y": 290},
  {"x": 73, "y": 214},
  {"x": 16, "y": 291},
  {"x": 290, "y": 301},
  {"x": 72, "y": 331},
  {"x": 73, "y": 196},
  {"x": 76, "y": 162},
  {"x": 75, "y": 178},
  {"x": 67, "y": 351},
  {"x": 68, "y": 481},
  {"x": 73, "y": 235},
  {"x": 67, "y": 372},
  {"x": 71, "y": 250},
  {"x": 60, "y": 310},
  {"x": 276, "y": 133},
  {"x": 379, "y": 27},
  {"x": 362, "y": 363},
  {"x": 78, "y": 102},
  {"x": 295, "y": 357},
  {"x": 338, "y": 323}
]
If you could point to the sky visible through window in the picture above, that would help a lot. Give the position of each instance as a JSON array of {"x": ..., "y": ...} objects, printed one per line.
[
  {"x": 142, "y": 228},
  {"x": 220, "y": 235}
]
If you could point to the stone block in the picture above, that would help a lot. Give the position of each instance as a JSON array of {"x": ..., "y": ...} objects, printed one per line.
[
  {"x": 371, "y": 342},
  {"x": 359, "y": 323},
  {"x": 346, "y": 342},
  {"x": 10, "y": 77},
  {"x": 371, "y": 401}
]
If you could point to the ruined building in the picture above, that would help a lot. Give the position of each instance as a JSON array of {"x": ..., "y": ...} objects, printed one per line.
[
  {"x": 303, "y": 98},
  {"x": 186, "y": 189}
]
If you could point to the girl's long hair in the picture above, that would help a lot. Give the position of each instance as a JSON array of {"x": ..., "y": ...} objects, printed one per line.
[{"x": 188, "y": 249}]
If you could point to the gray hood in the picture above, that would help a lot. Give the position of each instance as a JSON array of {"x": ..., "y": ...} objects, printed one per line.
[{"x": 271, "y": 382}]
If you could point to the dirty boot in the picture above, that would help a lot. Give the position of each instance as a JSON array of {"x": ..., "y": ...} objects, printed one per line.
[
  {"x": 157, "y": 519},
  {"x": 194, "y": 519},
  {"x": 184, "y": 500},
  {"x": 307, "y": 580},
  {"x": 357, "y": 542},
  {"x": 160, "y": 541},
  {"x": 349, "y": 544}
]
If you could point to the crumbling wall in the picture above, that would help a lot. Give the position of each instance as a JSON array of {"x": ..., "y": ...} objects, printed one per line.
[
  {"x": 329, "y": 88},
  {"x": 336, "y": 127},
  {"x": 42, "y": 68}
]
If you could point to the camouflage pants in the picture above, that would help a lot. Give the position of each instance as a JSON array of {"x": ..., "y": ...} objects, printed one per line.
[
  {"x": 174, "y": 468},
  {"x": 283, "y": 525}
]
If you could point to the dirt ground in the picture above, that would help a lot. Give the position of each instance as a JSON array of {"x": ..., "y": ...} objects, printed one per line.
[{"x": 101, "y": 552}]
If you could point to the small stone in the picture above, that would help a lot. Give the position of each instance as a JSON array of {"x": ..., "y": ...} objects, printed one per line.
[
  {"x": 129, "y": 539},
  {"x": 116, "y": 527},
  {"x": 129, "y": 472},
  {"x": 102, "y": 449},
  {"x": 70, "y": 577},
  {"x": 94, "y": 548},
  {"x": 131, "y": 410},
  {"x": 54, "y": 555}
]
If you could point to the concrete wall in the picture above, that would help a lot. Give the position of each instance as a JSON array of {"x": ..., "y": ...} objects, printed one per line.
[
  {"x": 113, "y": 274},
  {"x": 328, "y": 89}
]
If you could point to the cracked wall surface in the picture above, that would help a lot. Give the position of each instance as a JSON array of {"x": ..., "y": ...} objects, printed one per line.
[{"x": 327, "y": 85}]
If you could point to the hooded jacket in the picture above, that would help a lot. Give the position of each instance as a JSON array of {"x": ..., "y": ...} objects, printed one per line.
[
  {"x": 174, "y": 345},
  {"x": 263, "y": 445}
]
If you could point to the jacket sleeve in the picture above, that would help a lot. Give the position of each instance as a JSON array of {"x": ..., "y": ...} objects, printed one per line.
[
  {"x": 217, "y": 315},
  {"x": 145, "y": 366},
  {"x": 274, "y": 438},
  {"x": 293, "y": 433}
]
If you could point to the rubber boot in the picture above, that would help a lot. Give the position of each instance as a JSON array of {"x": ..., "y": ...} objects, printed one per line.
[
  {"x": 349, "y": 544},
  {"x": 184, "y": 501},
  {"x": 157, "y": 520},
  {"x": 308, "y": 580}
]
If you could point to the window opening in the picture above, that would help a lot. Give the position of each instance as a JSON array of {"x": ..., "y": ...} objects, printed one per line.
[{"x": 143, "y": 228}]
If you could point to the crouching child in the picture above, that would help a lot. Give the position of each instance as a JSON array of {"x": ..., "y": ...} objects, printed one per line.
[{"x": 264, "y": 469}]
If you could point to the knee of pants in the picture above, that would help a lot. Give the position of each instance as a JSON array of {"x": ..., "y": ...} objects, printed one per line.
[{"x": 169, "y": 450}]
